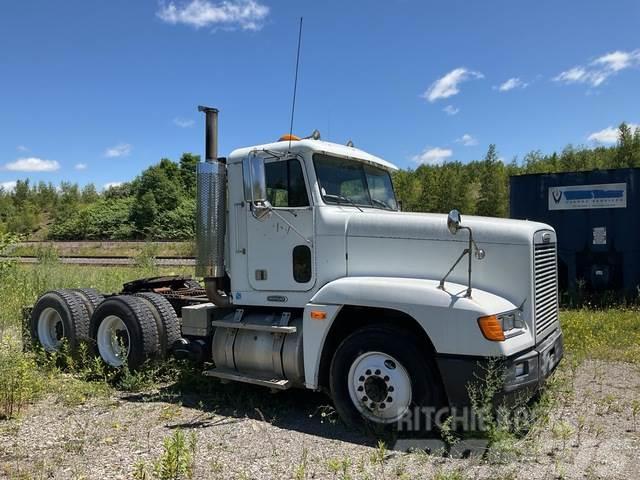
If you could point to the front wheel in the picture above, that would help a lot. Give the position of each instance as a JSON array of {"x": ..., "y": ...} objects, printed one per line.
[{"x": 380, "y": 377}]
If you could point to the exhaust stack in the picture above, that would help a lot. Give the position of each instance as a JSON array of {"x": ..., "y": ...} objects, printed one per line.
[
  {"x": 210, "y": 133},
  {"x": 211, "y": 209}
]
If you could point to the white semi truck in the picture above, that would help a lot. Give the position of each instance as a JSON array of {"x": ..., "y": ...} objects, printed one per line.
[{"x": 313, "y": 278}]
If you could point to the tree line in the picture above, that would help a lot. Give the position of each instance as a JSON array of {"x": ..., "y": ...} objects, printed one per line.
[
  {"x": 482, "y": 187},
  {"x": 160, "y": 202}
]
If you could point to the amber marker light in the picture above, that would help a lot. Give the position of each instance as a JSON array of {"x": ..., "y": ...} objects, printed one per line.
[
  {"x": 491, "y": 328},
  {"x": 318, "y": 315},
  {"x": 287, "y": 137}
]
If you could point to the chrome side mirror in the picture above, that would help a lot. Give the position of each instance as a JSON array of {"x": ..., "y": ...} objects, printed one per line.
[
  {"x": 255, "y": 186},
  {"x": 453, "y": 221}
]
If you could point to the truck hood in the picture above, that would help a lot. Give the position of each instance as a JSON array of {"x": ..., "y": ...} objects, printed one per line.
[
  {"x": 419, "y": 245},
  {"x": 428, "y": 226}
]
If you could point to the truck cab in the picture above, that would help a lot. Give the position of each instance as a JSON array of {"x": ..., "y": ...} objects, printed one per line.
[{"x": 354, "y": 297}]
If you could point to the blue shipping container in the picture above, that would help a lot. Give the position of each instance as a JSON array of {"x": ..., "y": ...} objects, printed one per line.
[{"x": 596, "y": 217}]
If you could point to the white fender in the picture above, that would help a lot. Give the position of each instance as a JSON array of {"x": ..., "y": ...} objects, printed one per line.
[{"x": 447, "y": 316}]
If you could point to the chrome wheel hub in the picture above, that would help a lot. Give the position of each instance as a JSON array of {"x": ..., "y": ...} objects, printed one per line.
[
  {"x": 380, "y": 387},
  {"x": 50, "y": 329},
  {"x": 114, "y": 341}
]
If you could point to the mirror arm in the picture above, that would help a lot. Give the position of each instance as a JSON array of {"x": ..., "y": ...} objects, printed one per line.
[
  {"x": 272, "y": 210},
  {"x": 467, "y": 251},
  {"x": 441, "y": 285}
]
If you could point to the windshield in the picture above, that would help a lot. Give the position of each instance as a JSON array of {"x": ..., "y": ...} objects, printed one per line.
[{"x": 344, "y": 181}]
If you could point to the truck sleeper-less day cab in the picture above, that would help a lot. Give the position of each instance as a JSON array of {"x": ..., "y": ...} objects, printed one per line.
[{"x": 315, "y": 279}]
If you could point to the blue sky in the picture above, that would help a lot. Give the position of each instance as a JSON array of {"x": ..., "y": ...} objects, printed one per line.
[{"x": 96, "y": 91}]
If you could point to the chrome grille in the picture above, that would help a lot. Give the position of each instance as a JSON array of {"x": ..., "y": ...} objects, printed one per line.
[{"x": 546, "y": 289}]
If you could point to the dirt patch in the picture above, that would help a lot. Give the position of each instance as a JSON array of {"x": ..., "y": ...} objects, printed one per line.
[{"x": 246, "y": 432}]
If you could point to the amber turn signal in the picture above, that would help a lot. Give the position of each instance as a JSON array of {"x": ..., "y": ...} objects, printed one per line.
[
  {"x": 318, "y": 315},
  {"x": 491, "y": 328}
]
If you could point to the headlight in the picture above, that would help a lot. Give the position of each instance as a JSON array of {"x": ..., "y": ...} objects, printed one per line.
[
  {"x": 510, "y": 320},
  {"x": 501, "y": 326}
]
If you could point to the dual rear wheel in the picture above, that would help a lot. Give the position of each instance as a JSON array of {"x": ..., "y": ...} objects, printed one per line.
[{"x": 122, "y": 330}]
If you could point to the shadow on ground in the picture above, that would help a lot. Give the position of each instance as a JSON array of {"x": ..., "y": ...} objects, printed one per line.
[{"x": 300, "y": 410}]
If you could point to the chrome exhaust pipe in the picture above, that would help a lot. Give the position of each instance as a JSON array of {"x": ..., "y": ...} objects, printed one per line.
[{"x": 211, "y": 197}]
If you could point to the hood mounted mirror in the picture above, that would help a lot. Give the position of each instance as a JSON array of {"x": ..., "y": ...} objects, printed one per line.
[{"x": 454, "y": 224}]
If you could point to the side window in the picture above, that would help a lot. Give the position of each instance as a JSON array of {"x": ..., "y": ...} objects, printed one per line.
[
  {"x": 302, "y": 264},
  {"x": 285, "y": 184}
]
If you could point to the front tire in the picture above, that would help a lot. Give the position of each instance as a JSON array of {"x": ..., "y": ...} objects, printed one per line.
[{"x": 379, "y": 376}]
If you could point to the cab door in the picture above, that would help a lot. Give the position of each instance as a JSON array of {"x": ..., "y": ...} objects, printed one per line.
[{"x": 280, "y": 247}]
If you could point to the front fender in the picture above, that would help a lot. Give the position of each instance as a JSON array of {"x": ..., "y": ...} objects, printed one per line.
[{"x": 447, "y": 316}]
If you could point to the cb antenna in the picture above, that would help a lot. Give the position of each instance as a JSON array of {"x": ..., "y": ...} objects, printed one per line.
[{"x": 295, "y": 84}]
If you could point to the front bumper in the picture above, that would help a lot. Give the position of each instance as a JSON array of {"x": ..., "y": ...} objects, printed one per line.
[{"x": 523, "y": 374}]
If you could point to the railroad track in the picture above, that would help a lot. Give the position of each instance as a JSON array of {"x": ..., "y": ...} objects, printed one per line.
[{"x": 110, "y": 260}]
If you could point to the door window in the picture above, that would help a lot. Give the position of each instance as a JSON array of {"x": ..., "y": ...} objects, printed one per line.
[{"x": 285, "y": 184}]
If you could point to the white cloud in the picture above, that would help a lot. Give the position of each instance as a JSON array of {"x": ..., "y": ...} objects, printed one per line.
[
  {"x": 33, "y": 164},
  {"x": 108, "y": 185},
  {"x": 183, "y": 122},
  {"x": 609, "y": 134},
  {"x": 447, "y": 86},
  {"x": 246, "y": 14},
  {"x": 120, "y": 150},
  {"x": 8, "y": 186},
  {"x": 433, "y": 156},
  {"x": 618, "y": 60},
  {"x": 80, "y": 166},
  {"x": 22, "y": 148},
  {"x": 599, "y": 70},
  {"x": 450, "y": 110},
  {"x": 467, "y": 140},
  {"x": 510, "y": 84}
]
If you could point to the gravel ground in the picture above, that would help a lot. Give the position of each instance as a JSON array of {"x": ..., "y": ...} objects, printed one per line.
[{"x": 246, "y": 432}]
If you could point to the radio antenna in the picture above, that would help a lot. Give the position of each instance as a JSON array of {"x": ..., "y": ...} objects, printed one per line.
[{"x": 295, "y": 84}]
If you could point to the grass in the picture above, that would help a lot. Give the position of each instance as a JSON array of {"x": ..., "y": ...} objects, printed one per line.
[
  {"x": 106, "y": 248},
  {"x": 22, "y": 284},
  {"x": 612, "y": 335},
  {"x": 25, "y": 377}
]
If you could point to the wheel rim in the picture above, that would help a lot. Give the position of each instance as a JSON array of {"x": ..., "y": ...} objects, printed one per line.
[
  {"x": 50, "y": 329},
  {"x": 114, "y": 341},
  {"x": 380, "y": 387}
]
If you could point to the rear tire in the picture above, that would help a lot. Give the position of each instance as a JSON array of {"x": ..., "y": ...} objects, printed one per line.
[
  {"x": 125, "y": 331},
  {"x": 379, "y": 377},
  {"x": 166, "y": 320},
  {"x": 90, "y": 297},
  {"x": 59, "y": 315}
]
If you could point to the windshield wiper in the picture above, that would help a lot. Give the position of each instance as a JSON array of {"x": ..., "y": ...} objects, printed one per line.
[
  {"x": 381, "y": 203},
  {"x": 342, "y": 198}
]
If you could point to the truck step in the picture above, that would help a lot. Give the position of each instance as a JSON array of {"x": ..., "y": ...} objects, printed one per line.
[
  {"x": 254, "y": 326},
  {"x": 228, "y": 374}
]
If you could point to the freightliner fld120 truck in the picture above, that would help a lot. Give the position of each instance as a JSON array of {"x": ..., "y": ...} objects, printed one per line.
[{"x": 314, "y": 279}]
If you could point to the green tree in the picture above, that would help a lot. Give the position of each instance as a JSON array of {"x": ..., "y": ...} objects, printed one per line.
[
  {"x": 144, "y": 212},
  {"x": 625, "y": 149},
  {"x": 493, "y": 186},
  {"x": 89, "y": 194},
  {"x": 188, "y": 165}
]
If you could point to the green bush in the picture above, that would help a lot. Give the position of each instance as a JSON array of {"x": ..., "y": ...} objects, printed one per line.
[{"x": 20, "y": 380}]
